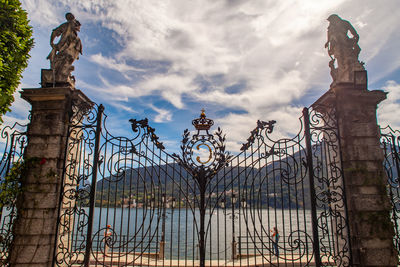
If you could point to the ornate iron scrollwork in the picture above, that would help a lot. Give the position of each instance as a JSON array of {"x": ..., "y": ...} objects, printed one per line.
[
  {"x": 390, "y": 143},
  {"x": 214, "y": 144},
  {"x": 13, "y": 148},
  {"x": 261, "y": 125},
  {"x": 203, "y": 171},
  {"x": 148, "y": 205},
  {"x": 144, "y": 124}
]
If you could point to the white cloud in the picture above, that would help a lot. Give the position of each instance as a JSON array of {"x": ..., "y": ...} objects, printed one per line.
[
  {"x": 275, "y": 49},
  {"x": 43, "y": 12},
  {"x": 388, "y": 109},
  {"x": 10, "y": 121},
  {"x": 238, "y": 126},
  {"x": 111, "y": 63},
  {"x": 20, "y": 108},
  {"x": 123, "y": 107},
  {"x": 163, "y": 115},
  {"x": 18, "y": 119},
  {"x": 170, "y": 86}
]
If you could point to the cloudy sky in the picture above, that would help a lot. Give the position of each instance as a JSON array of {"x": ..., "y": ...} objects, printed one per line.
[{"x": 240, "y": 60}]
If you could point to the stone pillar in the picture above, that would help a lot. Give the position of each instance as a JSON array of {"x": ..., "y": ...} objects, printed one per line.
[
  {"x": 371, "y": 230},
  {"x": 35, "y": 227}
]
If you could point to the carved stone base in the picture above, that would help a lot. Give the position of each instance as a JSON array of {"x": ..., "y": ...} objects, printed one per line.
[
  {"x": 358, "y": 79},
  {"x": 49, "y": 79},
  {"x": 361, "y": 79}
]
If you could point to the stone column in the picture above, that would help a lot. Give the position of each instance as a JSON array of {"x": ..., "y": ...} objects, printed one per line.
[
  {"x": 35, "y": 227},
  {"x": 371, "y": 230}
]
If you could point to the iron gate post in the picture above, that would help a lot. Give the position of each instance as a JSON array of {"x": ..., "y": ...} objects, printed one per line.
[
  {"x": 312, "y": 188},
  {"x": 163, "y": 217},
  {"x": 233, "y": 201},
  {"x": 396, "y": 155},
  {"x": 202, "y": 187},
  {"x": 93, "y": 186},
  {"x": 9, "y": 156}
]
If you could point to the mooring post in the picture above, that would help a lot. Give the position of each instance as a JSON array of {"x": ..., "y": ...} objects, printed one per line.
[
  {"x": 370, "y": 228},
  {"x": 37, "y": 206}
]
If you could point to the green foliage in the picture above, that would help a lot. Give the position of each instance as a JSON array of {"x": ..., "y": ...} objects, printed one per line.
[
  {"x": 15, "y": 43},
  {"x": 10, "y": 186}
]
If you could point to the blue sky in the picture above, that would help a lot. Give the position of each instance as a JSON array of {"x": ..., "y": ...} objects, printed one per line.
[{"x": 240, "y": 60}]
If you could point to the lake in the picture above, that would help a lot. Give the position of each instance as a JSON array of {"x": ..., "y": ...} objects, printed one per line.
[{"x": 139, "y": 229}]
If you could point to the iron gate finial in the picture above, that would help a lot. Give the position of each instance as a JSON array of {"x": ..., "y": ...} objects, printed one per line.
[{"x": 202, "y": 123}]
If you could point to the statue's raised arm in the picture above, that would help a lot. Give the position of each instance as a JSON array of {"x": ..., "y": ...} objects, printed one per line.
[
  {"x": 343, "y": 49},
  {"x": 64, "y": 53}
]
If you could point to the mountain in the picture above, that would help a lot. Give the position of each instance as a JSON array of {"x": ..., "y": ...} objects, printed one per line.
[{"x": 261, "y": 187}]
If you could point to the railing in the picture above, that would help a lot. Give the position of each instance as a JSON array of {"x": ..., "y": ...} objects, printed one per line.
[
  {"x": 390, "y": 144},
  {"x": 122, "y": 243},
  {"x": 297, "y": 179},
  {"x": 263, "y": 245},
  {"x": 12, "y": 146},
  {"x": 246, "y": 247}
]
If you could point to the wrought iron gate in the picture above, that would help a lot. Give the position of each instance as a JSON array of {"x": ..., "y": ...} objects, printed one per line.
[
  {"x": 126, "y": 202},
  {"x": 12, "y": 147},
  {"x": 390, "y": 145}
]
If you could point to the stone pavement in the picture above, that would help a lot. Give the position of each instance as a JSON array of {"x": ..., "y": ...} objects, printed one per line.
[{"x": 137, "y": 260}]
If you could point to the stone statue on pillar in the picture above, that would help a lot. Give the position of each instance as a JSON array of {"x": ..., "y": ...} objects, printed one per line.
[
  {"x": 63, "y": 54},
  {"x": 343, "y": 50}
]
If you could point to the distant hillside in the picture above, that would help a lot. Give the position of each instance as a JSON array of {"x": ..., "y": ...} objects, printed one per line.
[
  {"x": 253, "y": 184},
  {"x": 261, "y": 187}
]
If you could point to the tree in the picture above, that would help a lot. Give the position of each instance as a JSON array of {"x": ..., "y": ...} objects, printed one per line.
[{"x": 15, "y": 43}]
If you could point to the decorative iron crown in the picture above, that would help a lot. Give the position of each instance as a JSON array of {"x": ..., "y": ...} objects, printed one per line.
[{"x": 202, "y": 123}]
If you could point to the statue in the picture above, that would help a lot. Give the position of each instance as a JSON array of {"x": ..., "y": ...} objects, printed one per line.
[
  {"x": 334, "y": 70},
  {"x": 343, "y": 49},
  {"x": 63, "y": 53}
]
